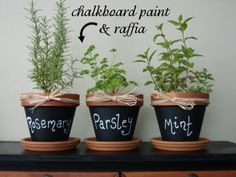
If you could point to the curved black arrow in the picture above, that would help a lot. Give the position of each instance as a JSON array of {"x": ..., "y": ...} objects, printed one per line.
[{"x": 81, "y": 37}]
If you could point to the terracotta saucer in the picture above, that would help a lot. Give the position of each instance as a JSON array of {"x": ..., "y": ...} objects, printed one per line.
[
  {"x": 50, "y": 146},
  {"x": 93, "y": 144},
  {"x": 180, "y": 145}
]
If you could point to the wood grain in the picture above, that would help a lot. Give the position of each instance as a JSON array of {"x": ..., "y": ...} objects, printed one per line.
[
  {"x": 182, "y": 174},
  {"x": 58, "y": 174}
]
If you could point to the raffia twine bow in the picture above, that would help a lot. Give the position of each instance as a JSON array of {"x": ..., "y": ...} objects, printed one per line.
[
  {"x": 184, "y": 103},
  {"x": 37, "y": 99},
  {"x": 128, "y": 98}
]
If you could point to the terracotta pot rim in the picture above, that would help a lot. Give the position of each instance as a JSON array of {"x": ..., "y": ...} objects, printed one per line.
[
  {"x": 190, "y": 93},
  {"x": 187, "y": 95},
  {"x": 114, "y": 103},
  {"x": 25, "y": 102}
]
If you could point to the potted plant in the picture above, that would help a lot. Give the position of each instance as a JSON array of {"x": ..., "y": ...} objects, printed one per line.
[
  {"x": 113, "y": 110},
  {"x": 50, "y": 113},
  {"x": 181, "y": 92}
]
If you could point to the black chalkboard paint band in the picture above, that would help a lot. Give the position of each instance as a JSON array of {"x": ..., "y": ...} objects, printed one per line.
[
  {"x": 129, "y": 98},
  {"x": 185, "y": 100}
]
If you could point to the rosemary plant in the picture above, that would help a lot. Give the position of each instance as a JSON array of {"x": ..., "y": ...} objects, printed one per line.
[{"x": 53, "y": 68}]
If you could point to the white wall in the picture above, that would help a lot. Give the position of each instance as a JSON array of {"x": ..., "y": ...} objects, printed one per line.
[{"x": 214, "y": 25}]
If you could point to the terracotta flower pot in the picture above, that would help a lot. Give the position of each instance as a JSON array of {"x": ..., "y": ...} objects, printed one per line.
[
  {"x": 48, "y": 119},
  {"x": 176, "y": 123},
  {"x": 114, "y": 120}
]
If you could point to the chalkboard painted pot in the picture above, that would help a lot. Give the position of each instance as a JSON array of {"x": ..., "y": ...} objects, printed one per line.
[
  {"x": 49, "y": 119},
  {"x": 114, "y": 120},
  {"x": 176, "y": 123}
]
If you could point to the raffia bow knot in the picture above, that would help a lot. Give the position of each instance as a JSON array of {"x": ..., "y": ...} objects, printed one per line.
[
  {"x": 184, "y": 103},
  {"x": 37, "y": 99},
  {"x": 128, "y": 98},
  {"x": 47, "y": 98},
  {"x": 114, "y": 98}
]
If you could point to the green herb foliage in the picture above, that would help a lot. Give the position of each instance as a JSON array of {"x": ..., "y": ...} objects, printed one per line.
[
  {"x": 176, "y": 70},
  {"x": 109, "y": 78},
  {"x": 53, "y": 69}
]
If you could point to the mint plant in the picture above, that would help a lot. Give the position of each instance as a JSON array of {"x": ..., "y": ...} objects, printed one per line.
[
  {"x": 53, "y": 69},
  {"x": 108, "y": 77},
  {"x": 176, "y": 70}
]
